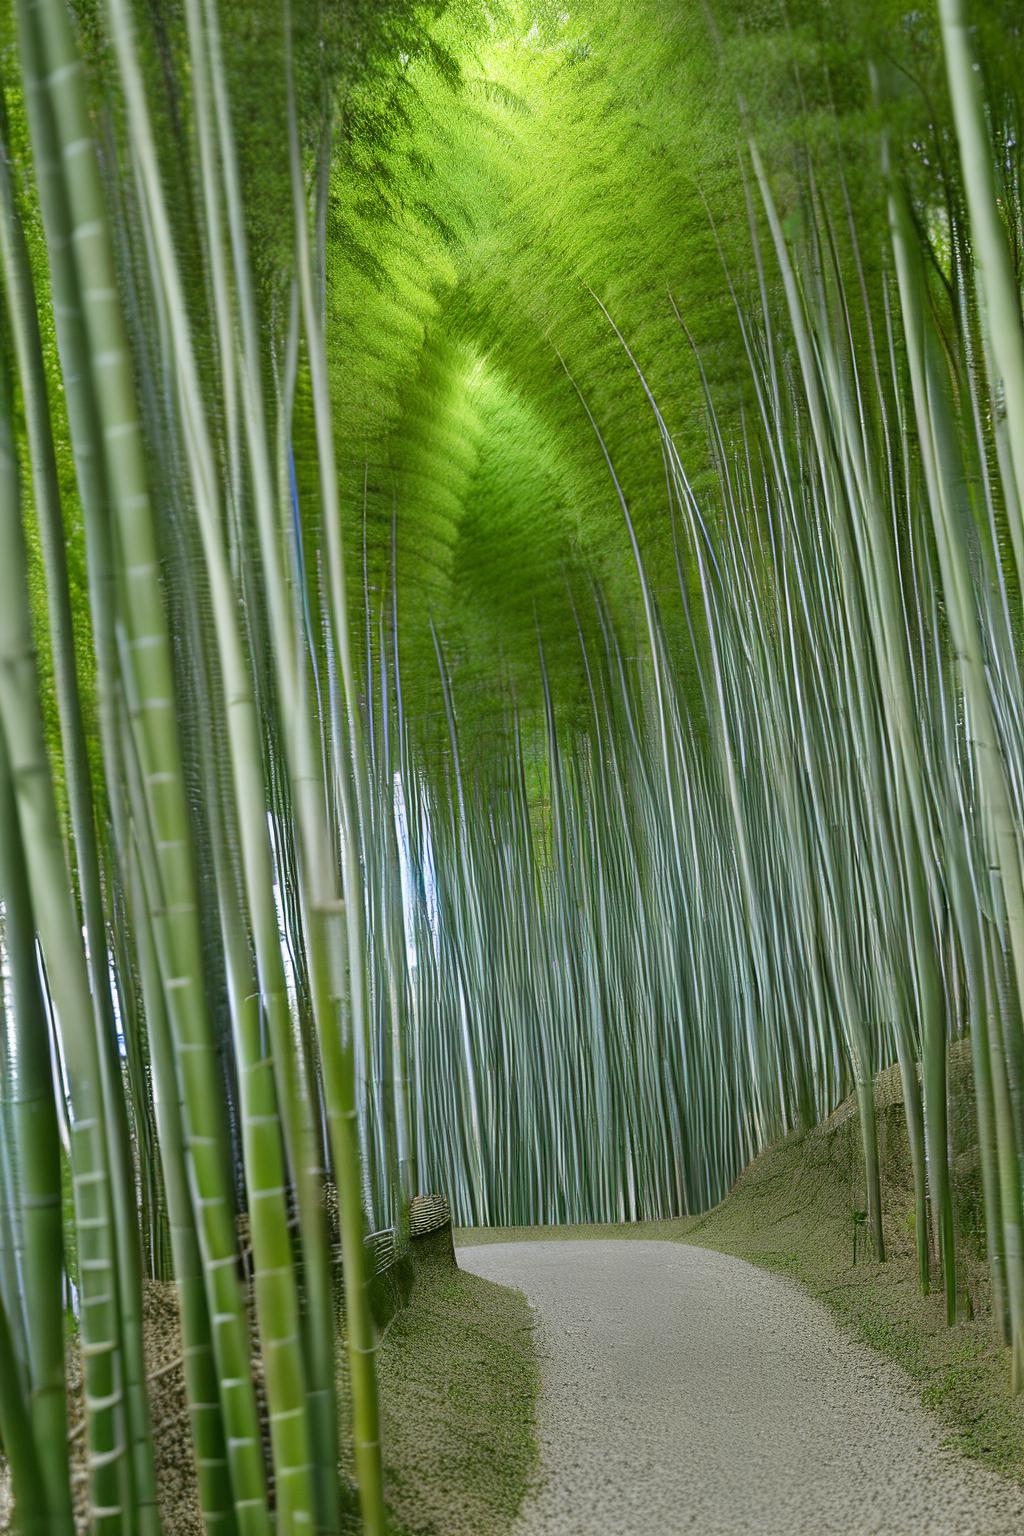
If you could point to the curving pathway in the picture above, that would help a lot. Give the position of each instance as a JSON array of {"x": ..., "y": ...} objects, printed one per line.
[{"x": 686, "y": 1391}]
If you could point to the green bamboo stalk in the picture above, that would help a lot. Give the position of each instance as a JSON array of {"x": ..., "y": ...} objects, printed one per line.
[
  {"x": 275, "y": 1282},
  {"x": 201, "y": 1384},
  {"x": 107, "y": 368},
  {"x": 111, "y": 1489},
  {"x": 968, "y": 909},
  {"x": 1008, "y": 1161},
  {"x": 874, "y": 556},
  {"x": 293, "y": 1055},
  {"x": 944, "y": 473},
  {"x": 38, "y": 1147},
  {"x": 998, "y": 283},
  {"x": 333, "y": 913},
  {"x": 31, "y": 368},
  {"x": 27, "y": 1477}
]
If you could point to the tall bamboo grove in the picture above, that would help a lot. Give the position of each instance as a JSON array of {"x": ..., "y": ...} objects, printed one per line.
[
  {"x": 184, "y": 837},
  {"x": 280, "y": 949}
]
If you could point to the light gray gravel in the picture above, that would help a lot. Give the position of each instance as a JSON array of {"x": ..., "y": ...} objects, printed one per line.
[{"x": 686, "y": 1391}]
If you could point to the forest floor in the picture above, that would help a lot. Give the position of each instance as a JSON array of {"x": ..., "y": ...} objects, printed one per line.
[{"x": 794, "y": 1210}]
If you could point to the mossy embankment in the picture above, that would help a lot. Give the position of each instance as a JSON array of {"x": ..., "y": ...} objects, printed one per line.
[
  {"x": 795, "y": 1209},
  {"x": 458, "y": 1381}
]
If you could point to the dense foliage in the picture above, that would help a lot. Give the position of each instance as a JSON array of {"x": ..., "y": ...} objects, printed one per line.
[{"x": 511, "y": 548}]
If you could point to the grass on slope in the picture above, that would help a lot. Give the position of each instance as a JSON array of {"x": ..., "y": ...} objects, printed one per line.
[
  {"x": 793, "y": 1210},
  {"x": 458, "y": 1380}
]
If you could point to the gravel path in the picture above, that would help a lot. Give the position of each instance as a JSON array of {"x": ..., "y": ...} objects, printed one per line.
[{"x": 686, "y": 1391}]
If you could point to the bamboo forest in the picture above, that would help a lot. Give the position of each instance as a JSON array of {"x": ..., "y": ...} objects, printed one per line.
[{"x": 511, "y": 767}]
